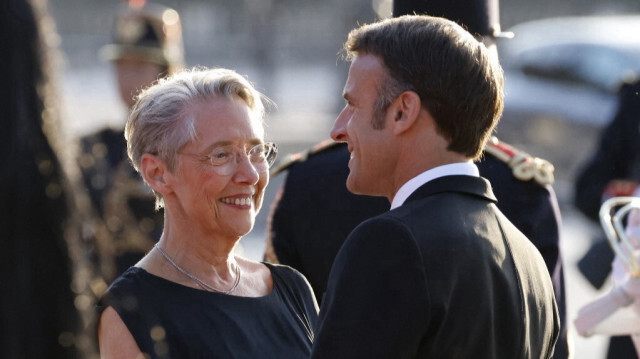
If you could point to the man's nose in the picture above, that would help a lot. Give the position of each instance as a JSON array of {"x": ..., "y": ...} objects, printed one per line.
[{"x": 338, "y": 132}]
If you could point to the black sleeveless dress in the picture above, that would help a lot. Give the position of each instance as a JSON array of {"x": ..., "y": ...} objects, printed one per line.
[{"x": 169, "y": 320}]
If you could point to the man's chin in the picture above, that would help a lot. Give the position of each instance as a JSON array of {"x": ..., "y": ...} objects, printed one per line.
[
  {"x": 367, "y": 188},
  {"x": 353, "y": 186}
]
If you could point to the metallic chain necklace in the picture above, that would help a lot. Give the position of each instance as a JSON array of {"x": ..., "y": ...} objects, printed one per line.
[{"x": 196, "y": 279}]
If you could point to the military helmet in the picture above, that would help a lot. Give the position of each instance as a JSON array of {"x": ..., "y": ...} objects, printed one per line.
[
  {"x": 149, "y": 32},
  {"x": 479, "y": 17}
]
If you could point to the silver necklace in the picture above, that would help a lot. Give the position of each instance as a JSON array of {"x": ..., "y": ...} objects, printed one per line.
[{"x": 196, "y": 279}]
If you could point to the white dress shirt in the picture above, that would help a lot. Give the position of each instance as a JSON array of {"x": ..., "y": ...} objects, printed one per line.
[{"x": 459, "y": 168}]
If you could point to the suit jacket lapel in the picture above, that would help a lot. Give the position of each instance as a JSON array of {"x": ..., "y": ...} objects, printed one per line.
[{"x": 475, "y": 186}]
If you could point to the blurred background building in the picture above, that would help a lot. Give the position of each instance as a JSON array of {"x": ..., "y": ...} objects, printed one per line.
[{"x": 289, "y": 48}]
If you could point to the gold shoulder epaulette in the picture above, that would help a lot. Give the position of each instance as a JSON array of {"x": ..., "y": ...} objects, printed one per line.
[
  {"x": 301, "y": 156},
  {"x": 525, "y": 167}
]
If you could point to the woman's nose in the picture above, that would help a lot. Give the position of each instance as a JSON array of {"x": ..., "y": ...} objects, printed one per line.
[{"x": 246, "y": 171}]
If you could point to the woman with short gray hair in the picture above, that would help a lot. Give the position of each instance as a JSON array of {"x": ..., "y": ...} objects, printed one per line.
[{"x": 197, "y": 139}]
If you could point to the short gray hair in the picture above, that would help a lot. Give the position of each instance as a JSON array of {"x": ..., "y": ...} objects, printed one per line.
[{"x": 160, "y": 122}]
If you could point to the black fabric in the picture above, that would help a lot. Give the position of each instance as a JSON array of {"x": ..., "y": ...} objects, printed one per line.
[
  {"x": 38, "y": 318},
  {"x": 534, "y": 210},
  {"x": 201, "y": 324},
  {"x": 481, "y": 17},
  {"x": 621, "y": 347},
  {"x": 445, "y": 275},
  {"x": 595, "y": 265}
]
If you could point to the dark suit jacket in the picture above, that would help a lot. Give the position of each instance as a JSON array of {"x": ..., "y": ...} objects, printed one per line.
[
  {"x": 446, "y": 275},
  {"x": 534, "y": 210}
]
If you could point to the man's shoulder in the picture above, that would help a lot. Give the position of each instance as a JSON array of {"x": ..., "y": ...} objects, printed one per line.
[
  {"x": 501, "y": 159},
  {"x": 321, "y": 154}
]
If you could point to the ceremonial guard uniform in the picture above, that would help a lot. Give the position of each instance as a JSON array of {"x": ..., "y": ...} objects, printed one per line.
[
  {"x": 127, "y": 225},
  {"x": 612, "y": 171},
  {"x": 614, "y": 168},
  {"x": 126, "y": 222}
]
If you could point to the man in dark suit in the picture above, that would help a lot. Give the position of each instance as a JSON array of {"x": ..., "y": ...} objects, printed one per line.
[
  {"x": 443, "y": 273},
  {"x": 314, "y": 212}
]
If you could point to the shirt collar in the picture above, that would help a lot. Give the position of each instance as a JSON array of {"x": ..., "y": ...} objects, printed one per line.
[{"x": 459, "y": 168}]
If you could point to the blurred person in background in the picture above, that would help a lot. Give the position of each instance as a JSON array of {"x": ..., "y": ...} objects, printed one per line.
[
  {"x": 443, "y": 273},
  {"x": 38, "y": 318},
  {"x": 314, "y": 212},
  {"x": 197, "y": 139},
  {"x": 147, "y": 45},
  {"x": 613, "y": 170}
]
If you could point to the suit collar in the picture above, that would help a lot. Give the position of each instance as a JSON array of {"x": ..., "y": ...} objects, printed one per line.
[
  {"x": 475, "y": 186},
  {"x": 457, "y": 168}
]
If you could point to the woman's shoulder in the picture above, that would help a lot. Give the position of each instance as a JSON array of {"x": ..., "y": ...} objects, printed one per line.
[
  {"x": 285, "y": 272},
  {"x": 123, "y": 287},
  {"x": 132, "y": 283},
  {"x": 129, "y": 279},
  {"x": 295, "y": 287},
  {"x": 288, "y": 276}
]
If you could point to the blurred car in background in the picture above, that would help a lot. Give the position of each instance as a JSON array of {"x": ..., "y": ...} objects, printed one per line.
[
  {"x": 561, "y": 80},
  {"x": 569, "y": 67}
]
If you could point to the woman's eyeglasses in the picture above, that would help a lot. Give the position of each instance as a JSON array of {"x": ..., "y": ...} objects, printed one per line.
[{"x": 225, "y": 159}]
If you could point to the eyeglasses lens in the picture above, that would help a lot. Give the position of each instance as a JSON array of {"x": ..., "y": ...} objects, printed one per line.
[{"x": 226, "y": 159}]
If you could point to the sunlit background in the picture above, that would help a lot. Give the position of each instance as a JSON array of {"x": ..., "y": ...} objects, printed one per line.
[{"x": 289, "y": 48}]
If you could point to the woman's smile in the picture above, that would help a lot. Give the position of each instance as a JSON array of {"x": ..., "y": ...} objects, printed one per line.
[{"x": 240, "y": 200}]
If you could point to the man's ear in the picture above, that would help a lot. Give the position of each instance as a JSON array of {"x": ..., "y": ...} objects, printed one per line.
[
  {"x": 155, "y": 173},
  {"x": 406, "y": 110}
]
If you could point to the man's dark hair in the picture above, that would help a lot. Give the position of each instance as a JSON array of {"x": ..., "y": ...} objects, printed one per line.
[{"x": 455, "y": 76}]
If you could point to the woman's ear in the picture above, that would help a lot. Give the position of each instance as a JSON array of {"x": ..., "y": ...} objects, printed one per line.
[
  {"x": 155, "y": 172},
  {"x": 407, "y": 108}
]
